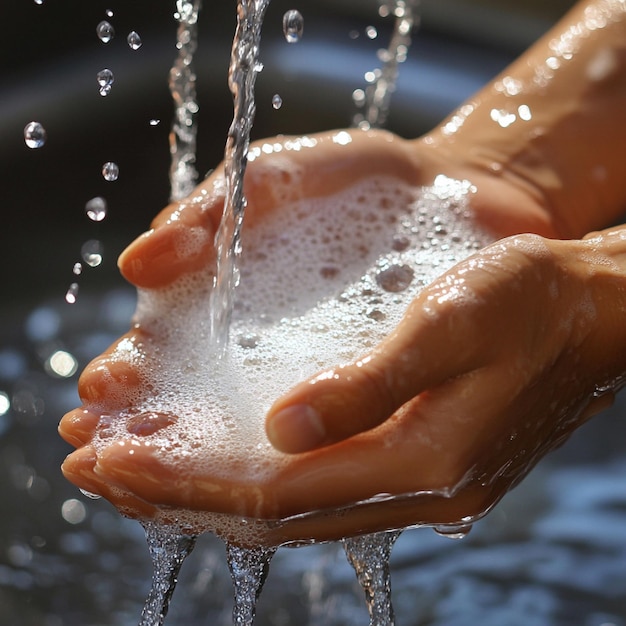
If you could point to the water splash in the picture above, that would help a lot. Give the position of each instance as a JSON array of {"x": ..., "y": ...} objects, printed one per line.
[
  {"x": 369, "y": 556},
  {"x": 182, "y": 84},
  {"x": 34, "y": 135},
  {"x": 168, "y": 549},
  {"x": 376, "y": 98},
  {"x": 248, "y": 570},
  {"x": 244, "y": 67},
  {"x": 293, "y": 26}
]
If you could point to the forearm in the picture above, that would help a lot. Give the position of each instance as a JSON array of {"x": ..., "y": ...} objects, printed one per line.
[{"x": 553, "y": 122}]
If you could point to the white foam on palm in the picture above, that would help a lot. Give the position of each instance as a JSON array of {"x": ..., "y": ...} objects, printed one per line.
[{"x": 323, "y": 280}]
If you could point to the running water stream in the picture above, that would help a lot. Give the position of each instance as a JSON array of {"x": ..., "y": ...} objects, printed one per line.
[
  {"x": 168, "y": 549},
  {"x": 369, "y": 555},
  {"x": 182, "y": 84},
  {"x": 244, "y": 67}
]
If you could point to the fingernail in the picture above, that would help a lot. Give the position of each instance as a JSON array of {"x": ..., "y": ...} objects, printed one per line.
[{"x": 297, "y": 428}]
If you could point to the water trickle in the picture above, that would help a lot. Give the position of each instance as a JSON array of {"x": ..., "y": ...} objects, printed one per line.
[
  {"x": 134, "y": 40},
  {"x": 369, "y": 556},
  {"x": 244, "y": 67},
  {"x": 105, "y": 80},
  {"x": 182, "y": 84},
  {"x": 277, "y": 101},
  {"x": 34, "y": 135},
  {"x": 293, "y": 26},
  {"x": 72, "y": 293},
  {"x": 96, "y": 209},
  {"x": 105, "y": 31},
  {"x": 248, "y": 570},
  {"x": 91, "y": 252},
  {"x": 382, "y": 82},
  {"x": 168, "y": 547},
  {"x": 110, "y": 171}
]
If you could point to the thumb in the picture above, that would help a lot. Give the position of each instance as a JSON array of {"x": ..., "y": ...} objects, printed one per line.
[{"x": 334, "y": 405}]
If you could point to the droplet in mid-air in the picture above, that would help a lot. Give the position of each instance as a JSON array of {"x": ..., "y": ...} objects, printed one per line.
[
  {"x": 134, "y": 40},
  {"x": 105, "y": 79},
  {"x": 34, "y": 135},
  {"x": 77, "y": 269},
  {"x": 293, "y": 26},
  {"x": 72, "y": 293},
  {"x": 38, "y": 1},
  {"x": 96, "y": 209},
  {"x": 277, "y": 101},
  {"x": 154, "y": 122},
  {"x": 105, "y": 31},
  {"x": 91, "y": 251},
  {"x": 110, "y": 171}
]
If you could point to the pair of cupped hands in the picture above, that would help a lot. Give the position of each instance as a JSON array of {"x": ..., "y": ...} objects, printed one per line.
[{"x": 494, "y": 364}]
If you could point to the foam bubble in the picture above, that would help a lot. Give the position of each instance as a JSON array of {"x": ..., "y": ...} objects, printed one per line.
[{"x": 311, "y": 297}]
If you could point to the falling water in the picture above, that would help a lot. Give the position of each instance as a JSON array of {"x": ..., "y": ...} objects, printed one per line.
[
  {"x": 369, "y": 556},
  {"x": 182, "y": 84},
  {"x": 244, "y": 67},
  {"x": 377, "y": 97},
  {"x": 248, "y": 569},
  {"x": 168, "y": 549}
]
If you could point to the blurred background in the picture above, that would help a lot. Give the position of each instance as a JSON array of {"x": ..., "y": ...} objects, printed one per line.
[{"x": 552, "y": 554}]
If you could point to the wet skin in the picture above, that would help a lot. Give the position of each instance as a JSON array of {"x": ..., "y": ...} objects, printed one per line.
[{"x": 494, "y": 364}]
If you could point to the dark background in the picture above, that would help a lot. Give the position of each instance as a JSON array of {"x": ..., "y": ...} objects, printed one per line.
[{"x": 49, "y": 56}]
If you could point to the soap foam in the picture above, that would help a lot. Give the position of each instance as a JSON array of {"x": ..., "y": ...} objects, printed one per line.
[{"x": 323, "y": 280}]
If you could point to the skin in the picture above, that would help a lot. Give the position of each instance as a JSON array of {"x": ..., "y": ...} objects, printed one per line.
[{"x": 494, "y": 364}]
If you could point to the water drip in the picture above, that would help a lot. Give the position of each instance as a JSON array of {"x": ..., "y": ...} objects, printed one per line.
[
  {"x": 168, "y": 549},
  {"x": 248, "y": 570},
  {"x": 369, "y": 556}
]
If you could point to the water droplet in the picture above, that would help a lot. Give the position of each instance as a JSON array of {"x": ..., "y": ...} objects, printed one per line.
[
  {"x": 91, "y": 252},
  {"x": 72, "y": 293},
  {"x": 293, "y": 26},
  {"x": 371, "y": 32},
  {"x": 77, "y": 269},
  {"x": 453, "y": 532},
  {"x": 134, "y": 40},
  {"x": 110, "y": 171},
  {"x": 109, "y": 13},
  {"x": 395, "y": 278},
  {"x": 34, "y": 135},
  {"x": 155, "y": 122},
  {"x": 105, "y": 79},
  {"x": 39, "y": 2},
  {"x": 96, "y": 208},
  {"x": 105, "y": 31},
  {"x": 277, "y": 101}
]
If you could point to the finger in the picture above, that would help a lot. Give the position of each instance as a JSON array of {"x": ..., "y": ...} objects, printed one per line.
[
  {"x": 78, "y": 426},
  {"x": 180, "y": 241},
  {"x": 424, "y": 351}
]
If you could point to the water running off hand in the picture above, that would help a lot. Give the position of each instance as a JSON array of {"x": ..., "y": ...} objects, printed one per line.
[
  {"x": 168, "y": 549},
  {"x": 369, "y": 556},
  {"x": 248, "y": 569}
]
